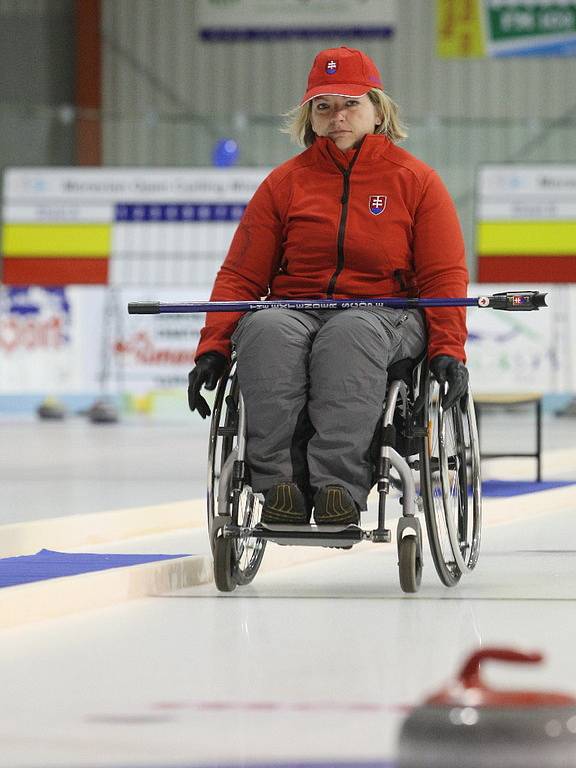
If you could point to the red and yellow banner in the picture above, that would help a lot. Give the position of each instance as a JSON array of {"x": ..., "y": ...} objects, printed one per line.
[
  {"x": 56, "y": 254},
  {"x": 526, "y": 224}
]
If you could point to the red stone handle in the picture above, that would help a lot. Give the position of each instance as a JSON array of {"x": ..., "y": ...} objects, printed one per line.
[{"x": 470, "y": 673}]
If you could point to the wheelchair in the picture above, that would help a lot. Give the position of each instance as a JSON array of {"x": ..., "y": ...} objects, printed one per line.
[{"x": 429, "y": 454}]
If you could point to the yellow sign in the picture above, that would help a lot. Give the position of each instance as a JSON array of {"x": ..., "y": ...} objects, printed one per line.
[
  {"x": 460, "y": 33},
  {"x": 526, "y": 237},
  {"x": 80, "y": 240}
]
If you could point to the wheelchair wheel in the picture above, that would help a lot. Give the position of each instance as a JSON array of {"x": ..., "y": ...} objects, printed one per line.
[
  {"x": 409, "y": 564},
  {"x": 450, "y": 484},
  {"x": 232, "y": 504}
]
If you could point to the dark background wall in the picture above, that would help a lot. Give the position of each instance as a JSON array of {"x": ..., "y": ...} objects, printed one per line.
[{"x": 37, "y": 82}]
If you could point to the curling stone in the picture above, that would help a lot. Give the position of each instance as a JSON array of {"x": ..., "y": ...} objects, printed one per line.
[
  {"x": 103, "y": 412},
  {"x": 470, "y": 725},
  {"x": 51, "y": 409}
]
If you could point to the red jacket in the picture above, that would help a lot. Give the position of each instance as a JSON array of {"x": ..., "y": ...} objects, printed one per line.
[{"x": 309, "y": 232}]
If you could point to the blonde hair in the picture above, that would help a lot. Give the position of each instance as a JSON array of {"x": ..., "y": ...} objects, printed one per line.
[{"x": 298, "y": 121}]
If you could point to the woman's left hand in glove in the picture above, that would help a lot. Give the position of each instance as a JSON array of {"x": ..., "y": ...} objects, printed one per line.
[{"x": 448, "y": 369}]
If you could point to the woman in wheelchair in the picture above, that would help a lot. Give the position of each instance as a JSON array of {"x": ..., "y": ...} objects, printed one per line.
[{"x": 352, "y": 216}]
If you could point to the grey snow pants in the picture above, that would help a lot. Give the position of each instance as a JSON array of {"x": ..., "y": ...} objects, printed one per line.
[{"x": 313, "y": 383}]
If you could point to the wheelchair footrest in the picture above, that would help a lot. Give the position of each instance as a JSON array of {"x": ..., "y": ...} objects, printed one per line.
[
  {"x": 308, "y": 529},
  {"x": 310, "y": 535},
  {"x": 381, "y": 536}
]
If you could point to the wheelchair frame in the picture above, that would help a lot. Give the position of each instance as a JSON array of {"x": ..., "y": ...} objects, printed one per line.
[
  {"x": 418, "y": 440},
  {"x": 448, "y": 460}
]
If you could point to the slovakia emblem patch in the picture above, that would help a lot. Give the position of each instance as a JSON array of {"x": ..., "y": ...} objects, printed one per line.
[
  {"x": 331, "y": 67},
  {"x": 377, "y": 203}
]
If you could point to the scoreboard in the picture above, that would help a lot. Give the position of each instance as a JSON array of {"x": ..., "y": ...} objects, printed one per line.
[{"x": 124, "y": 226}]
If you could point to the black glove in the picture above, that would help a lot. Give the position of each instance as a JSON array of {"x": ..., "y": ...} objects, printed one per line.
[
  {"x": 209, "y": 368},
  {"x": 448, "y": 368}
]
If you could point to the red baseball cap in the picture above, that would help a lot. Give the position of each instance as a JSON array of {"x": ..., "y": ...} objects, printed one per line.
[{"x": 342, "y": 72}]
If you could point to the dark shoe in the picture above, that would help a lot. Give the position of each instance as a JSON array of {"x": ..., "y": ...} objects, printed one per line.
[
  {"x": 333, "y": 505},
  {"x": 285, "y": 503}
]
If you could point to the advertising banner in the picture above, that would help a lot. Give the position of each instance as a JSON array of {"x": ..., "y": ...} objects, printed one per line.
[
  {"x": 522, "y": 352},
  {"x": 497, "y": 28},
  {"x": 154, "y": 352},
  {"x": 81, "y": 340},
  {"x": 220, "y": 20},
  {"x": 51, "y": 339}
]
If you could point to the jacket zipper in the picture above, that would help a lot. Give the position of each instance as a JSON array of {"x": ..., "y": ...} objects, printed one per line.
[{"x": 342, "y": 225}]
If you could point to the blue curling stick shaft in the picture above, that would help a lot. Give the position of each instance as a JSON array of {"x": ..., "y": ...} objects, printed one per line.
[{"x": 522, "y": 301}]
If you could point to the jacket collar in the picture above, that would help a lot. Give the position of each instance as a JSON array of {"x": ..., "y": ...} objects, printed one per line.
[{"x": 373, "y": 146}]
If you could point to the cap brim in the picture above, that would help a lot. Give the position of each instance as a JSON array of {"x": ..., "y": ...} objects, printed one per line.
[{"x": 338, "y": 89}]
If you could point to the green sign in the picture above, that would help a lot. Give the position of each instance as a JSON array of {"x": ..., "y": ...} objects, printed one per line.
[
  {"x": 509, "y": 21},
  {"x": 476, "y": 28}
]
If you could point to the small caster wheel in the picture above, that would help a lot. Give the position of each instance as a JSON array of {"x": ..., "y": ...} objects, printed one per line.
[
  {"x": 409, "y": 564},
  {"x": 224, "y": 564}
]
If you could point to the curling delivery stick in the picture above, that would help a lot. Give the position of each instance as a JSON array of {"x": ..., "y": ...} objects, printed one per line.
[{"x": 511, "y": 301}]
